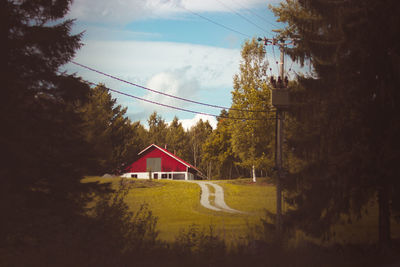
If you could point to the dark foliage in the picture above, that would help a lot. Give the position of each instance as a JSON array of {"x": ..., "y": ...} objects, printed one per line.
[
  {"x": 41, "y": 143},
  {"x": 344, "y": 122},
  {"x": 43, "y": 204},
  {"x": 114, "y": 141}
]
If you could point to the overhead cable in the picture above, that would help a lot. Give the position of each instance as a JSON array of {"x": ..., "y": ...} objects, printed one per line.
[
  {"x": 215, "y": 22},
  {"x": 165, "y": 94},
  {"x": 255, "y": 14},
  {"x": 243, "y": 17},
  {"x": 179, "y": 108}
]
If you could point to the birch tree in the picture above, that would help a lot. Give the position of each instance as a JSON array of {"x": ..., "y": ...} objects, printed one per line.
[{"x": 252, "y": 126}]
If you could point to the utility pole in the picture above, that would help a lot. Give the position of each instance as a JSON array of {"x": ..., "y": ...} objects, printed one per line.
[
  {"x": 279, "y": 139},
  {"x": 280, "y": 99}
]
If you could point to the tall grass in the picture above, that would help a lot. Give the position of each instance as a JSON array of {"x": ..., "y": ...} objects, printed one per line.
[{"x": 196, "y": 243}]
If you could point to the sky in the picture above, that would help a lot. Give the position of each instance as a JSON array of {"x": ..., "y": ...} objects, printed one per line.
[{"x": 186, "y": 48}]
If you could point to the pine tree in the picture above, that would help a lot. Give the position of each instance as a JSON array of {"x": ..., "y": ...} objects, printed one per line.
[
  {"x": 42, "y": 143},
  {"x": 109, "y": 132},
  {"x": 157, "y": 129},
  {"x": 198, "y": 135},
  {"x": 218, "y": 149},
  {"x": 177, "y": 139}
]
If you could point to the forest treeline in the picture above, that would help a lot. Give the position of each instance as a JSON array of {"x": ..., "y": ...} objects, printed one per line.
[
  {"x": 242, "y": 140},
  {"x": 115, "y": 140}
]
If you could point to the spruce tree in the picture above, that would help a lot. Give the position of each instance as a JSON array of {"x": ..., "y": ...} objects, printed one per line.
[
  {"x": 112, "y": 139},
  {"x": 345, "y": 122},
  {"x": 217, "y": 149},
  {"x": 177, "y": 139},
  {"x": 44, "y": 153},
  {"x": 198, "y": 135}
]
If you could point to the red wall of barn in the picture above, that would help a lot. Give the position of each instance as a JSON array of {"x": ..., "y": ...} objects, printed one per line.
[{"x": 168, "y": 164}]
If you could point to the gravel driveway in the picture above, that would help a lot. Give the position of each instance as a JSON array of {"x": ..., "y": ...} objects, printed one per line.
[{"x": 219, "y": 202}]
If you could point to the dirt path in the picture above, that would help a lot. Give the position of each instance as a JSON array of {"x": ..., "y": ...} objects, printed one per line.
[
  {"x": 205, "y": 197},
  {"x": 219, "y": 202}
]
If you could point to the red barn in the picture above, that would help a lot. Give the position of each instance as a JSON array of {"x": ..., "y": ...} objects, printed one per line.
[{"x": 159, "y": 163}]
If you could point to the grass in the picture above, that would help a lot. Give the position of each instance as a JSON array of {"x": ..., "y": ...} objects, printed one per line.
[
  {"x": 242, "y": 194},
  {"x": 211, "y": 198},
  {"x": 246, "y": 196},
  {"x": 177, "y": 206},
  {"x": 364, "y": 229}
]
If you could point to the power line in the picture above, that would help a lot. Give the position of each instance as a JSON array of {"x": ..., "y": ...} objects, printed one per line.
[
  {"x": 162, "y": 93},
  {"x": 243, "y": 17},
  {"x": 278, "y": 42},
  {"x": 215, "y": 22},
  {"x": 178, "y": 108},
  {"x": 255, "y": 14}
]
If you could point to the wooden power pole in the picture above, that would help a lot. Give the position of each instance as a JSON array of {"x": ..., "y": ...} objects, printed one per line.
[
  {"x": 279, "y": 141},
  {"x": 280, "y": 99}
]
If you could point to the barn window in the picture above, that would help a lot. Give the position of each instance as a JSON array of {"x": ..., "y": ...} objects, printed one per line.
[
  {"x": 169, "y": 176},
  {"x": 179, "y": 176},
  {"x": 133, "y": 175},
  {"x": 164, "y": 176}
]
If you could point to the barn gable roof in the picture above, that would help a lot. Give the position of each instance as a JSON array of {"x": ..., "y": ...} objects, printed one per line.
[{"x": 171, "y": 155}]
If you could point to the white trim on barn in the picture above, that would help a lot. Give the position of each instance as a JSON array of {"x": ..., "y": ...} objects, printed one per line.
[{"x": 160, "y": 175}]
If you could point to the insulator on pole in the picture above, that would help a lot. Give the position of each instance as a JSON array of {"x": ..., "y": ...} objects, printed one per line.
[
  {"x": 286, "y": 82},
  {"x": 280, "y": 84},
  {"x": 273, "y": 81}
]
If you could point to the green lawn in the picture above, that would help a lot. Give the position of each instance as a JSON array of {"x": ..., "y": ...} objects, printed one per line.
[
  {"x": 177, "y": 206},
  {"x": 246, "y": 196}
]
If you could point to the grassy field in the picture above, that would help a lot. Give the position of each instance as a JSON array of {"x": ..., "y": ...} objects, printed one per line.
[{"x": 177, "y": 206}]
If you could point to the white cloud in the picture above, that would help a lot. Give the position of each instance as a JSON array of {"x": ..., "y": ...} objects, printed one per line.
[
  {"x": 188, "y": 123},
  {"x": 125, "y": 11},
  {"x": 200, "y": 73},
  {"x": 176, "y": 83},
  {"x": 109, "y": 33},
  {"x": 139, "y": 62}
]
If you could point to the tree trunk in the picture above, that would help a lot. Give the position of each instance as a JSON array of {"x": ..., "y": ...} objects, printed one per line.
[
  {"x": 194, "y": 155},
  {"x": 237, "y": 170},
  {"x": 254, "y": 174},
  {"x": 384, "y": 216},
  {"x": 210, "y": 169}
]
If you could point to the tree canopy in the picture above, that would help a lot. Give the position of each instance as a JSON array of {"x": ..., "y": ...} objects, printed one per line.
[
  {"x": 253, "y": 130},
  {"x": 45, "y": 153},
  {"x": 114, "y": 140}
]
